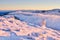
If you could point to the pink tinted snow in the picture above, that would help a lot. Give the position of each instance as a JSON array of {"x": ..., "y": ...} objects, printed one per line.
[{"x": 26, "y": 29}]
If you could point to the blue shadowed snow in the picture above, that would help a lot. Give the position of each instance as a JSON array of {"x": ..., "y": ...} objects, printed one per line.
[
  {"x": 29, "y": 19},
  {"x": 50, "y": 38},
  {"x": 54, "y": 24},
  {"x": 27, "y": 37},
  {"x": 35, "y": 34},
  {"x": 5, "y": 12},
  {"x": 2, "y": 13},
  {"x": 6, "y": 30},
  {"x": 13, "y": 36}
]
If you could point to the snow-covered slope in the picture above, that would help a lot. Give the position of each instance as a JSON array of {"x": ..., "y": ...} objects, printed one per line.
[
  {"x": 12, "y": 29},
  {"x": 19, "y": 25},
  {"x": 53, "y": 21}
]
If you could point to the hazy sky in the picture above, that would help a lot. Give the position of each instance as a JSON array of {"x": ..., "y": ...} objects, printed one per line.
[{"x": 29, "y": 4}]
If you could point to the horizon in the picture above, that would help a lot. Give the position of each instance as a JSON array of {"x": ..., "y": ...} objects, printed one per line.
[
  {"x": 30, "y": 9},
  {"x": 29, "y": 4}
]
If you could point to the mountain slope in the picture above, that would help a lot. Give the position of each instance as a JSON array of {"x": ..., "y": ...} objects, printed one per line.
[{"x": 10, "y": 28}]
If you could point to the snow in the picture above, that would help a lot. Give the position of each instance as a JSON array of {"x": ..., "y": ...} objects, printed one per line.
[
  {"x": 17, "y": 25},
  {"x": 36, "y": 19}
]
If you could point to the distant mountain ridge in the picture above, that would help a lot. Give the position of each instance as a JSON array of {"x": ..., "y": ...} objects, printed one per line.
[{"x": 53, "y": 11}]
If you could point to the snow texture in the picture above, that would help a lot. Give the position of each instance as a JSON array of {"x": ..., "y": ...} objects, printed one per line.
[{"x": 29, "y": 25}]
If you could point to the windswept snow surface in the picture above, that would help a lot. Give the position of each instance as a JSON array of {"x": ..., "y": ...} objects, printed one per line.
[
  {"x": 20, "y": 25},
  {"x": 53, "y": 21}
]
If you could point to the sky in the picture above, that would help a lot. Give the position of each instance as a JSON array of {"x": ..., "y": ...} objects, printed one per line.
[{"x": 29, "y": 4}]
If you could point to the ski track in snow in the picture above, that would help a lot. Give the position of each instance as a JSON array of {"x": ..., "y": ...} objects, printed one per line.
[{"x": 13, "y": 29}]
